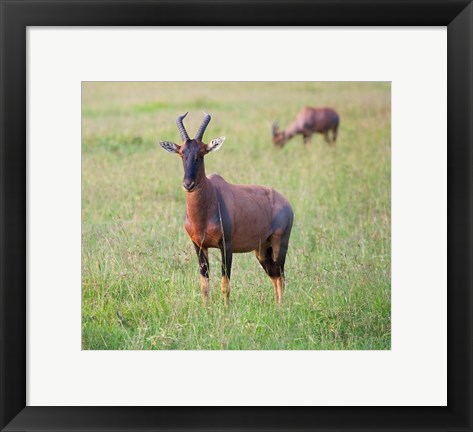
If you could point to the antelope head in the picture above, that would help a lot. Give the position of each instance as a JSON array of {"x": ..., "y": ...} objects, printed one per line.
[
  {"x": 192, "y": 152},
  {"x": 279, "y": 138}
]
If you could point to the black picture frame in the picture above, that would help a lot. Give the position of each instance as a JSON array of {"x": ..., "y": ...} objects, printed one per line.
[{"x": 17, "y": 15}]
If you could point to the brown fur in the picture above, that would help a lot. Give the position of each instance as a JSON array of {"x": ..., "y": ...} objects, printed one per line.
[
  {"x": 307, "y": 122},
  {"x": 251, "y": 209}
]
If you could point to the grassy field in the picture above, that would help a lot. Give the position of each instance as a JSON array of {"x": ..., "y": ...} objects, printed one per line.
[{"x": 140, "y": 278}]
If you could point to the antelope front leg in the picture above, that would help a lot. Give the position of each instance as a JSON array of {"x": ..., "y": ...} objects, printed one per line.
[
  {"x": 307, "y": 138},
  {"x": 203, "y": 256},
  {"x": 226, "y": 251}
]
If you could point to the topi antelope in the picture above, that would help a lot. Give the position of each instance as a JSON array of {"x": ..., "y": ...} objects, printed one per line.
[
  {"x": 232, "y": 218},
  {"x": 308, "y": 121}
]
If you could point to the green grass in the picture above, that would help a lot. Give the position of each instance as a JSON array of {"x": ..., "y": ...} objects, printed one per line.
[{"x": 140, "y": 278}]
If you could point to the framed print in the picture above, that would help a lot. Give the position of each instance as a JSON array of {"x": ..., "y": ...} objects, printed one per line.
[{"x": 100, "y": 329}]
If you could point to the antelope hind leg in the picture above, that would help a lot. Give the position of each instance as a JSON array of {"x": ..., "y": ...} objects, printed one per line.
[
  {"x": 265, "y": 259},
  {"x": 280, "y": 243},
  {"x": 334, "y": 137}
]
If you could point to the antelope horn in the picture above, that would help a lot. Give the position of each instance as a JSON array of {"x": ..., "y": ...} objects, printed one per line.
[
  {"x": 181, "y": 127},
  {"x": 203, "y": 126}
]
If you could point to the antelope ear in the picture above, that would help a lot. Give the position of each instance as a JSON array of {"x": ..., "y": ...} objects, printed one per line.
[
  {"x": 170, "y": 147},
  {"x": 215, "y": 144}
]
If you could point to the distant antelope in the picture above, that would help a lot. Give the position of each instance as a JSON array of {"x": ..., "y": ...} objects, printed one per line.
[
  {"x": 308, "y": 121},
  {"x": 232, "y": 218}
]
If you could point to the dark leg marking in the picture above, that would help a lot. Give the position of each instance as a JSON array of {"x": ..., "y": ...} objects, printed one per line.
[
  {"x": 270, "y": 266},
  {"x": 273, "y": 258},
  {"x": 203, "y": 257},
  {"x": 272, "y": 269}
]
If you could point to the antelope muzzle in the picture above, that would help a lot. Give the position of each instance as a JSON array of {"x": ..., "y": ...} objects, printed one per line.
[{"x": 188, "y": 185}]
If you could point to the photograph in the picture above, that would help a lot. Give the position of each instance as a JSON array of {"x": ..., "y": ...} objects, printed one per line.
[
  {"x": 280, "y": 189},
  {"x": 236, "y": 215}
]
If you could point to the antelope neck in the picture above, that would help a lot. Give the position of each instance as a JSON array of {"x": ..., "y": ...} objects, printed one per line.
[
  {"x": 288, "y": 134},
  {"x": 199, "y": 201}
]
